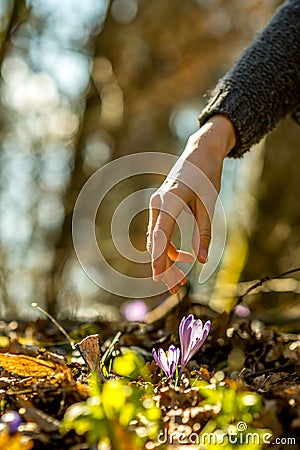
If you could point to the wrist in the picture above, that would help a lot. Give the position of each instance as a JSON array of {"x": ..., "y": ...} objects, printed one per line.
[
  {"x": 214, "y": 139},
  {"x": 222, "y": 134}
]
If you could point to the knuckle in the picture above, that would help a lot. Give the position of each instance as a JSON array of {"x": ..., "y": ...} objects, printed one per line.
[
  {"x": 167, "y": 196},
  {"x": 171, "y": 201},
  {"x": 205, "y": 235},
  {"x": 155, "y": 200}
]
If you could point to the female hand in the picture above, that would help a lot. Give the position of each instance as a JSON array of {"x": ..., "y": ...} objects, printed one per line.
[{"x": 186, "y": 184}]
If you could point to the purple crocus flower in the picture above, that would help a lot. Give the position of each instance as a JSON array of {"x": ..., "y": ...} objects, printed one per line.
[
  {"x": 12, "y": 420},
  {"x": 192, "y": 334},
  {"x": 242, "y": 310},
  {"x": 167, "y": 361},
  {"x": 134, "y": 311}
]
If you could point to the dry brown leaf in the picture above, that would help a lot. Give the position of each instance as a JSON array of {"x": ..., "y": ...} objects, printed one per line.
[{"x": 27, "y": 366}]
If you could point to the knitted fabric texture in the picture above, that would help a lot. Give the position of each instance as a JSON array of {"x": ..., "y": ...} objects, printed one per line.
[{"x": 264, "y": 84}]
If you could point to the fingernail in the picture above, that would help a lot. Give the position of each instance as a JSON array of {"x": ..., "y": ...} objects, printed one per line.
[{"x": 204, "y": 254}]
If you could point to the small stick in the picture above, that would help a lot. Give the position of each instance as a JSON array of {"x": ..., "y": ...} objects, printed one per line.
[
  {"x": 263, "y": 280},
  {"x": 58, "y": 326}
]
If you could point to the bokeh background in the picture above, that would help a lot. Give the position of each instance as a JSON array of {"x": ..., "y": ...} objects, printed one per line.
[{"x": 85, "y": 82}]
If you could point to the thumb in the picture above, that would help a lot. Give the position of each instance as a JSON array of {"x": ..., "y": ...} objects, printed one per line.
[{"x": 179, "y": 255}]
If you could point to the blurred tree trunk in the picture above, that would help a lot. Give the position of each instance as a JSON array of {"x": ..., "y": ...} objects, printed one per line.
[
  {"x": 17, "y": 14},
  {"x": 64, "y": 245}
]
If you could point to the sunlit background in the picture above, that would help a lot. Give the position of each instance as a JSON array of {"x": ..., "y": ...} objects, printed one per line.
[{"x": 84, "y": 82}]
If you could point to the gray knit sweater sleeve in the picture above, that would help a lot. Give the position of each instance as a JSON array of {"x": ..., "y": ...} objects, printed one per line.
[{"x": 264, "y": 84}]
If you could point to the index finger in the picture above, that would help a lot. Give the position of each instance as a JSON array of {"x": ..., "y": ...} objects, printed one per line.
[{"x": 162, "y": 232}]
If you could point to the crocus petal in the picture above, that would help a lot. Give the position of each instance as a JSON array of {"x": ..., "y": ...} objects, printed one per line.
[
  {"x": 173, "y": 357},
  {"x": 206, "y": 327},
  {"x": 197, "y": 332},
  {"x": 205, "y": 332},
  {"x": 196, "y": 336},
  {"x": 200, "y": 339},
  {"x": 185, "y": 330},
  {"x": 155, "y": 357},
  {"x": 192, "y": 335},
  {"x": 163, "y": 361},
  {"x": 194, "y": 350},
  {"x": 185, "y": 322},
  {"x": 173, "y": 354}
]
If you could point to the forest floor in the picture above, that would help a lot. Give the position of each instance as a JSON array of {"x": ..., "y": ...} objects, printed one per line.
[{"x": 241, "y": 390}]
